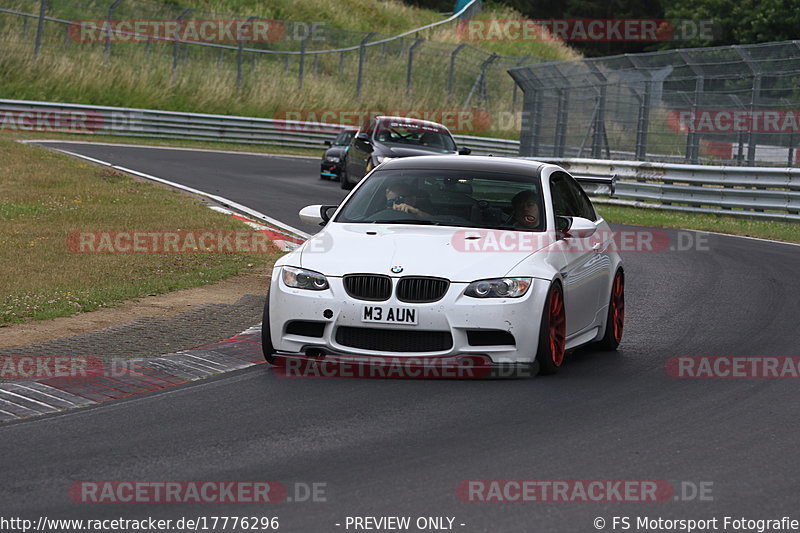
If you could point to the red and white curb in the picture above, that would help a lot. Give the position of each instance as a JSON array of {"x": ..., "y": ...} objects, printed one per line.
[{"x": 122, "y": 379}]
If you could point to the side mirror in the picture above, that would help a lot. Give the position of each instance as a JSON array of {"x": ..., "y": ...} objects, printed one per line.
[
  {"x": 363, "y": 137},
  {"x": 316, "y": 214},
  {"x": 464, "y": 150},
  {"x": 577, "y": 227},
  {"x": 327, "y": 143}
]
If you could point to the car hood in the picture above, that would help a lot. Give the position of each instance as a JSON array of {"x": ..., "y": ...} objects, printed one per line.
[
  {"x": 336, "y": 151},
  {"x": 407, "y": 151},
  {"x": 437, "y": 251}
]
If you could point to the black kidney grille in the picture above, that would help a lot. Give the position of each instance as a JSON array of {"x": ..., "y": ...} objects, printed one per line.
[
  {"x": 394, "y": 340},
  {"x": 368, "y": 287},
  {"x": 421, "y": 290}
]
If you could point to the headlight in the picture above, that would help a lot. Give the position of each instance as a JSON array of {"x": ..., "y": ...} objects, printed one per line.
[
  {"x": 300, "y": 278},
  {"x": 498, "y": 288},
  {"x": 333, "y": 159},
  {"x": 383, "y": 159}
]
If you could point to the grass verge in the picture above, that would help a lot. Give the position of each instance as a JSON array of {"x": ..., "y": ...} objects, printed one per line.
[
  {"x": 171, "y": 143},
  {"x": 45, "y": 197}
]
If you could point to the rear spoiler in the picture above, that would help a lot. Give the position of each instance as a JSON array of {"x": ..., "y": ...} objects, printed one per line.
[{"x": 598, "y": 185}]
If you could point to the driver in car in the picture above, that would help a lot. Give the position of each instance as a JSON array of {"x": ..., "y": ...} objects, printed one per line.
[
  {"x": 401, "y": 197},
  {"x": 526, "y": 210}
]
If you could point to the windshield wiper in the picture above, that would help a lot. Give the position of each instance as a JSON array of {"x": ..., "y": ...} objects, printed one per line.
[{"x": 406, "y": 221}]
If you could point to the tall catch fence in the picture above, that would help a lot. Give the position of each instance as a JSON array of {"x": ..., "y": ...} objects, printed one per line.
[{"x": 733, "y": 105}]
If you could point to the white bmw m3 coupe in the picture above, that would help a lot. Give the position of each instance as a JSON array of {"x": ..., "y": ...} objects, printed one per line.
[{"x": 444, "y": 258}]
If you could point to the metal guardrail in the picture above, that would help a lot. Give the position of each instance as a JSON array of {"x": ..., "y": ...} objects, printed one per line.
[
  {"x": 129, "y": 122},
  {"x": 762, "y": 192}
]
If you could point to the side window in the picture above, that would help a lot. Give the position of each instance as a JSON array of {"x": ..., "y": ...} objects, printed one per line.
[
  {"x": 563, "y": 204},
  {"x": 569, "y": 199}
]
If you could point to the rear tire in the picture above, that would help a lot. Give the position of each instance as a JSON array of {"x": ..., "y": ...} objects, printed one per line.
[
  {"x": 615, "y": 320},
  {"x": 266, "y": 339},
  {"x": 552, "y": 332}
]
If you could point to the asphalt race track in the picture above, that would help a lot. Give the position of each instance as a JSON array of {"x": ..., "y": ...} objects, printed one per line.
[{"x": 401, "y": 447}]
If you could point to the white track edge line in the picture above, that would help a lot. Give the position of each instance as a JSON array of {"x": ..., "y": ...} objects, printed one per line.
[{"x": 214, "y": 197}]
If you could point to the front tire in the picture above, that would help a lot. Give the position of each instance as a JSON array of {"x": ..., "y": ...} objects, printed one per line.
[
  {"x": 344, "y": 181},
  {"x": 615, "y": 320},
  {"x": 266, "y": 339},
  {"x": 552, "y": 332}
]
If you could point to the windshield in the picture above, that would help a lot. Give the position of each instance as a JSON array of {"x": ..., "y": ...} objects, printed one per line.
[
  {"x": 447, "y": 198},
  {"x": 415, "y": 134}
]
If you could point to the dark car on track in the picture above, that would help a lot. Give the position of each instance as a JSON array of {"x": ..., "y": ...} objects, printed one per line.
[
  {"x": 331, "y": 165},
  {"x": 385, "y": 138}
]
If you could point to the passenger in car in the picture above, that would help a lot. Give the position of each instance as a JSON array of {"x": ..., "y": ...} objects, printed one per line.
[
  {"x": 526, "y": 210},
  {"x": 402, "y": 197}
]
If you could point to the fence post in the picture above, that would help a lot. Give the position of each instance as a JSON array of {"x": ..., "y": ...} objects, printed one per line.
[
  {"x": 755, "y": 96},
  {"x": 692, "y": 138},
  {"x": 40, "y": 27},
  {"x": 410, "y": 65},
  {"x": 531, "y": 109},
  {"x": 110, "y": 19},
  {"x": 480, "y": 82},
  {"x": 451, "y": 75},
  {"x": 301, "y": 70},
  {"x": 240, "y": 55},
  {"x": 562, "y": 119},
  {"x": 361, "y": 52},
  {"x": 599, "y": 134},
  {"x": 516, "y": 88},
  {"x": 643, "y": 123},
  {"x": 176, "y": 42}
]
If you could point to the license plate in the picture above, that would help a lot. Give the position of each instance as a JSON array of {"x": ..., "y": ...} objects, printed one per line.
[{"x": 389, "y": 315}]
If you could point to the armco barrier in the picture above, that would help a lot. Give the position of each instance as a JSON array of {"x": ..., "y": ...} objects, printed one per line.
[
  {"x": 762, "y": 192},
  {"x": 42, "y": 116}
]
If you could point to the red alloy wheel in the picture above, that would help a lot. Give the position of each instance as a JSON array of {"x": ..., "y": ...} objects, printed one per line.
[
  {"x": 618, "y": 306},
  {"x": 558, "y": 328}
]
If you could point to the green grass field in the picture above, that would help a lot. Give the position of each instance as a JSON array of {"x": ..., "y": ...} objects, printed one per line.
[
  {"x": 135, "y": 74},
  {"x": 47, "y": 197}
]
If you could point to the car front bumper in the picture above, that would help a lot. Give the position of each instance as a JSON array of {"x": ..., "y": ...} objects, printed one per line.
[
  {"x": 330, "y": 170},
  {"x": 464, "y": 326}
]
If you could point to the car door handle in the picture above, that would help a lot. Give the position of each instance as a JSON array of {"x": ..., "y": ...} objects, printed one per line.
[{"x": 596, "y": 247}]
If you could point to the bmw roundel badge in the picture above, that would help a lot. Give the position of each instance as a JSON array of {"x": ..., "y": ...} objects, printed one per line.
[{"x": 397, "y": 269}]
